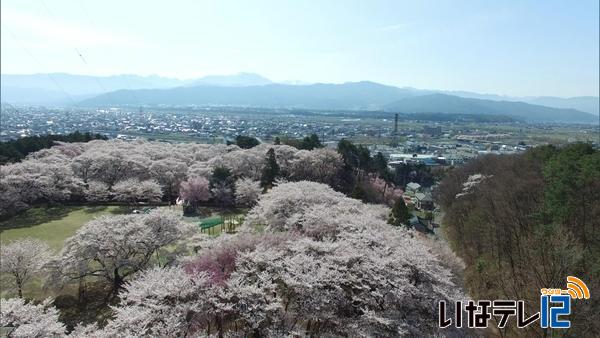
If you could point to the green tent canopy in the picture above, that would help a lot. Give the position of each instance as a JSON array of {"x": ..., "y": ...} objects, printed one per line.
[{"x": 207, "y": 223}]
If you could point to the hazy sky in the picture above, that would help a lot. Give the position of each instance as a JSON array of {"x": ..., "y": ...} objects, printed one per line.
[{"x": 504, "y": 47}]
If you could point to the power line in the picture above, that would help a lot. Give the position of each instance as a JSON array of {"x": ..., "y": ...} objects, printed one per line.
[
  {"x": 28, "y": 52},
  {"x": 53, "y": 18},
  {"x": 93, "y": 24}
]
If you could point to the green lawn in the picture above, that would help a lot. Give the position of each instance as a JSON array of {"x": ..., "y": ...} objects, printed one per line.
[
  {"x": 55, "y": 224},
  {"x": 52, "y": 225}
]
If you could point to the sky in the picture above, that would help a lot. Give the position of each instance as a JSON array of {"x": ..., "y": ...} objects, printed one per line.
[{"x": 516, "y": 48}]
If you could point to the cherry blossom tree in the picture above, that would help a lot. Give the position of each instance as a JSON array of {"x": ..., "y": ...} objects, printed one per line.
[
  {"x": 201, "y": 298},
  {"x": 223, "y": 194},
  {"x": 325, "y": 265},
  {"x": 388, "y": 192},
  {"x": 284, "y": 155},
  {"x": 132, "y": 190},
  {"x": 108, "y": 168},
  {"x": 247, "y": 162},
  {"x": 348, "y": 247},
  {"x": 199, "y": 169},
  {"x": 247, "y": 191},
  {"x": 169, "y": 174},
  {"x": 58, "y": 183},
  {"x": 114, "y": 247},
  {"x": 30, "y": 320},
  {"x": 16, "y": 193},
  {"x": 81, "y": 166},
  {"x": 40, "y": 181},
  {"x": 205, "y": 152},
  {"x": 281, "y": 208},
  {"x": 159, "y": 303},
  {"x": 194, "y": 191},
  {"x": 63, "y": 172},
  {"x": 308, "y": 261},
  {"x": 97, "y": 192},
  {"x": 150, "y": 191},
  {"x": 320, "y": 165},
  {"x": 23, "y": 259}
]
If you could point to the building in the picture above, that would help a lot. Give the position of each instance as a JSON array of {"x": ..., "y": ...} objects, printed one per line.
[
  {"x": 421, "y": 225},
  {"x": 423, "y": 201},
  {"x": 432, "y": 131},
  {"x": 413, "y": 187},
  {"x": 426, "y": 159}
]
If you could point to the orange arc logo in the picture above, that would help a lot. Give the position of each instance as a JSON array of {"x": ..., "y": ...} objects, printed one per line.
[{"x": 577, "y": 288}]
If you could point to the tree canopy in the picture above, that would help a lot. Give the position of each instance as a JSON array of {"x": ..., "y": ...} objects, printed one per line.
[
  {"x": 16, "y": 150},
  {"x": 270, "y": 170},
  {"x": 522, "y": 222},
  {"x": 246, "y": 142}
]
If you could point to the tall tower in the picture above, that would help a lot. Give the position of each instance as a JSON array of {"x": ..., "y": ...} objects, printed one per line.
[{"x": 395, "y": 133}]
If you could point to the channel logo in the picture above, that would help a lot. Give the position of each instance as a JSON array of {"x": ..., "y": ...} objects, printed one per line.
[
  {"x": 577, "y": 288},
  {"x": 555, "y": 306}
]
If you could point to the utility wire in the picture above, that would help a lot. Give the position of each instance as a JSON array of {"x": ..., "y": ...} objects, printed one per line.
[
  {"x": 53, "y": 18},
  {"x": 93, "y": 24},
  {"x": 28, "y": 52}
]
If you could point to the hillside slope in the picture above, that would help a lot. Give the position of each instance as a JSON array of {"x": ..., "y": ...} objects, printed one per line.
[{"x": 441, "y": 103}]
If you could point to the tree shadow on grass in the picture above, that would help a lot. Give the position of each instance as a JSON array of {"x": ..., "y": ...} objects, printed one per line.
[
  {"x": 36, "y": 216},
  {"x": 120, "y": 210},
  {"x": 93, "y": 307},
  {"x": 117, "y": 210},
  {"x": 95, "y": 209}
]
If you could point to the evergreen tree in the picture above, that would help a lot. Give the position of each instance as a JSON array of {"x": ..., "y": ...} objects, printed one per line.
[
  {"x": 246, "y": 142},
  {"x": 270, "y": 171},
  {"x": 277, "y": 141},
  {"x": 400, "y": 214},
  {"x": 348, "y": 151},
  {"x": 16, "y": 150},
  {"x": 358, "y": 193},
  {"x": 222, "y": 186},
  {"x": 355, "y": 157},
  {"x": 220, "y": 175},
  {"x": 380, "y": 164},
  {"x": 311, "y": 142},
  {"x": 364, "y": 156}
]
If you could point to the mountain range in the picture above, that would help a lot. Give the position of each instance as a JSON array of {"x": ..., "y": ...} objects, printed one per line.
[
  {"x": 450, "y": 104},
  {"x": 248, "y": 89}
]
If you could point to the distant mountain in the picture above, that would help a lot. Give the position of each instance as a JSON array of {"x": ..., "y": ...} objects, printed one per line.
[
  {"x": 35, "y": 96},
  {"x": 352, "y": 95},
  {"x": 85, "y": 84},
  {"x": 441, "y": 103},
  {"x": 237, "y": 80},
  {"x": 62, "y": 88},
  {"x": 243, "y": 89},
  {"x": 588, "y": 104},
  {"x": 472, "y": 95},
  {"x": 296, "y": 83}
]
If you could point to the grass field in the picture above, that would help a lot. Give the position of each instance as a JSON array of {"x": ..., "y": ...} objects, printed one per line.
[
  {"x": 55, "y": 224},
  {"x": 52, "y": 225}
]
